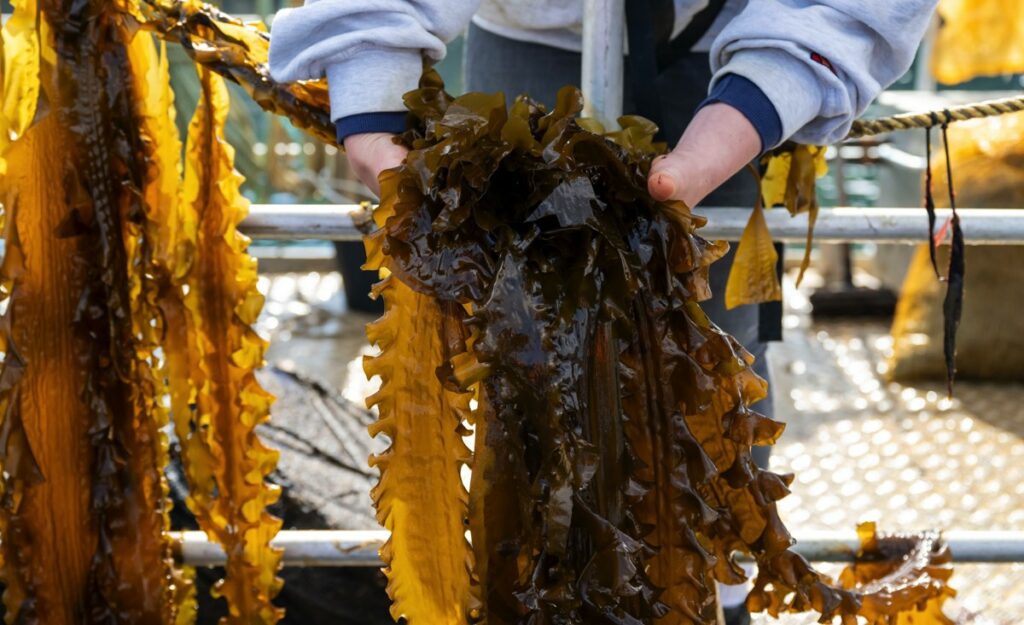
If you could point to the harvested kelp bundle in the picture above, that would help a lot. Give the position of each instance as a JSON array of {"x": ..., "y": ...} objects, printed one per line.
[{"x": 612, "y": 477}]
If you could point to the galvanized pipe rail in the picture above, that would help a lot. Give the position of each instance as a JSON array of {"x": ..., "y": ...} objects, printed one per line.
[
  {"x": 835, "y": 225},
  {"x": 343, "y": 548}
]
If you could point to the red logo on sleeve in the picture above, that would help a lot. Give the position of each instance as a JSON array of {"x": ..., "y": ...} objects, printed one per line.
[{"x": 817, "y": 58}]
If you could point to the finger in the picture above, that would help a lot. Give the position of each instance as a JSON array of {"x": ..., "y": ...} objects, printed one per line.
[{"x": 715, "y": 145}]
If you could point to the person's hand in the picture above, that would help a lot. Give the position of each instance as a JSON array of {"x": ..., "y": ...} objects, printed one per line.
[
  {"x": 371, "y": 153},
  {"x": 719, "y": 142}
]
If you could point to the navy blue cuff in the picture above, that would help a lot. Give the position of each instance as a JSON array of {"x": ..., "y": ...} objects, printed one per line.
[
  {"x": 747, "y": 98},
  {"x": 370, "y": 122}
]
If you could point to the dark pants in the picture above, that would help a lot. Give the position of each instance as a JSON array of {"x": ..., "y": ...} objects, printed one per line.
[{"x": 495, "y": 63}]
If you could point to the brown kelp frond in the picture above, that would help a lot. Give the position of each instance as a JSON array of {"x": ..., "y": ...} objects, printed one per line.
[
  {"x": 666, "y": 501},
  {"x": 97, "y": 102},
  {"x": 239, "y": 52},
  {"x": 907, "y": 571},
  {"x": 226, "y": 462},
  {"x": 896, "y": 579},
  {"x": 420, "y": 497},
  {"x": 613, "y": 475}
]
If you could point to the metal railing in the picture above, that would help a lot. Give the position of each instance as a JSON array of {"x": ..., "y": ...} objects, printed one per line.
[
  {"x": 982, "y": 226},
  {"x": 340, "y": 548}
]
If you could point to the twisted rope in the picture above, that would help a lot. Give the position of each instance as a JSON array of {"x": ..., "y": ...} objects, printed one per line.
[{"x": 931, "y": 119}]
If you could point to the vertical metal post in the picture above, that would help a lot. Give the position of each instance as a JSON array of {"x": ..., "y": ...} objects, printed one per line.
[
  {"x": 603, "y": 48},
  {"x": 925, "y": 80}
]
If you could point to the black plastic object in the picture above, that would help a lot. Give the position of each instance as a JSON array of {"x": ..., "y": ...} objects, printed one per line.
[{"x": 356, "y": 282}]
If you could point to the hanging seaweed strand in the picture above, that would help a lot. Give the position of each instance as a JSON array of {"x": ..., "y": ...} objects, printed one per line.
[
  {"x": 124, "y": 288},
  {"x": 952, "y": 304},
  {"x": 929, "y": 200},
  {"x": 226, "y": 462}
]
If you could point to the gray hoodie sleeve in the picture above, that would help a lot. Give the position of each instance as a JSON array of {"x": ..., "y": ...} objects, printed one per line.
[
  {"x": 371, "y": 52},
  {"x": 821, "y": 63}
]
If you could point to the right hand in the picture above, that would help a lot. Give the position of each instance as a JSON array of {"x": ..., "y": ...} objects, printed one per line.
[
  {"x": 719, "y": 142},
  {"x": 371, "y": 153}
]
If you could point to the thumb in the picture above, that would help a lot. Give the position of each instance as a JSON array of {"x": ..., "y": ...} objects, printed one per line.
[
  {"x": 719, "y": 142},
  {"x": 665, "y": 181}
]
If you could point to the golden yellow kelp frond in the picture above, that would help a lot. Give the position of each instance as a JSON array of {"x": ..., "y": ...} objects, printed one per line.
[
  {"x": 83, "y": 453},
  {"x": 41, "y": 299},
  {"x": 420, "y": 497},
  {"x": 19, "y": 74},
  {"x": 978, "y": 38},
  {"x": 227, "y": 463},
  {"x": 132, "y": 572},
  {"x": 790, "y": 180},
  {"x": 152, "y": 274},
  {"x": 753, "y": 278}
]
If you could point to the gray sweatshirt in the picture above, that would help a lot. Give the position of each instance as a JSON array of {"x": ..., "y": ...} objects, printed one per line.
[{"x": 819, "y": 62}]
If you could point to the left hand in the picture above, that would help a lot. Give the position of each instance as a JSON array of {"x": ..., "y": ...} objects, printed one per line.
[
  {"x": 372, "y": 153},
  {"x": 719, "y": 142}
]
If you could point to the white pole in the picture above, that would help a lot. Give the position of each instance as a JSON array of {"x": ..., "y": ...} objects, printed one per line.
[
  {"x": 343, "y": 548},
  {"x": 981, "y": 226},
  {"x": 603, "y": 47},
  {"x": 925, "y": 80}
]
